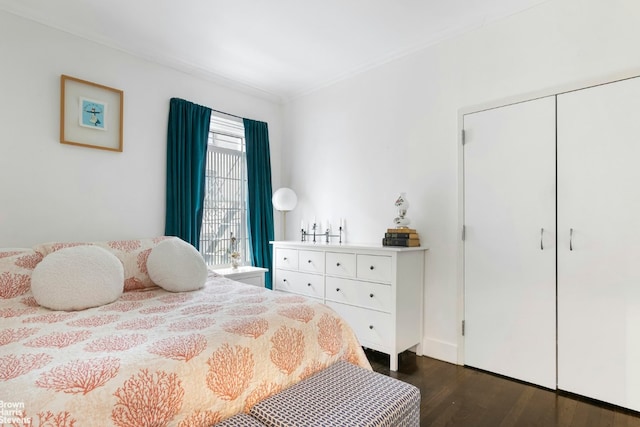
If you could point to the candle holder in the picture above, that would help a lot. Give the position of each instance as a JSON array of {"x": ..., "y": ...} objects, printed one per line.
[{"x": 304, "y": 235}]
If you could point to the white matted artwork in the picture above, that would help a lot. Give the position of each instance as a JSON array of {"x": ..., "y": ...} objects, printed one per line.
[{"x": 90, "y": 114}]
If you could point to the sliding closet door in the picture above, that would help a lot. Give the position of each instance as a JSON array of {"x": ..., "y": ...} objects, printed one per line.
[
  {"x": 599, "y": 242},
  {"x": 509, "y": 248}
]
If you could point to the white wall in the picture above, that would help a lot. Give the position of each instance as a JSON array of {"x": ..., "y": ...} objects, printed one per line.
[
  {"x": 353, "y": 146},
  {"x": 52, "y": 191}
]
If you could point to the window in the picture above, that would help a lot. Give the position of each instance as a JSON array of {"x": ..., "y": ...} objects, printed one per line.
[{"x": 225, "y": 202}]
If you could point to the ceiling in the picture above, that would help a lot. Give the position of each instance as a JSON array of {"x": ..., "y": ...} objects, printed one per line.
[{"x": 278, "y": 48}]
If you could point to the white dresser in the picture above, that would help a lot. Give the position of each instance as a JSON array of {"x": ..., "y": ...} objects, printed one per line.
[{"x": 377, "y": 290}]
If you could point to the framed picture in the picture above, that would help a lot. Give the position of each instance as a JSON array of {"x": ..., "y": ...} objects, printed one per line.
[{"x": 90, "y": 114}]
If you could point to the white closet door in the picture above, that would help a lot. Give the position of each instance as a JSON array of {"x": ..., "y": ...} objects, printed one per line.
[
  {"x": 509, "y": 209},
  {"x": 599, "y": 276}
]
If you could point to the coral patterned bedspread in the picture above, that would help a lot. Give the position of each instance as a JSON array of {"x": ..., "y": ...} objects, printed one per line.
[{"x": 155, "y": 358}]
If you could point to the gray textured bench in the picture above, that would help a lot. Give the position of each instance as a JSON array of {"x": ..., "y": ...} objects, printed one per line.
[
  {"x": 343, "y": 395},
  {"x": 240, "y": 420}
]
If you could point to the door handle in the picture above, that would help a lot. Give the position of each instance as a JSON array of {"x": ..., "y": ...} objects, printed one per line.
[
  {"x": 571, "y": 239},
  {"x": 541, "y": 234}
]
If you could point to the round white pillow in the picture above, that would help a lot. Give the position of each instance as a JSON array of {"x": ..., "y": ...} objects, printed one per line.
[
  {"x": 77, "y": 278},
  {"x": 176, "y": 266}
]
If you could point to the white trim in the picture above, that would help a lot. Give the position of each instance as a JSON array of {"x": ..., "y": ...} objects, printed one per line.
[
  {"x": 460, "y": 259},
  {"x": 440, "y": 350},
  {"x": 551, "y": 91}
]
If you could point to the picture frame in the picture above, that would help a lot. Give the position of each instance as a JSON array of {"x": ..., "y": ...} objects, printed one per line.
[{"x": 91, "y": 114}]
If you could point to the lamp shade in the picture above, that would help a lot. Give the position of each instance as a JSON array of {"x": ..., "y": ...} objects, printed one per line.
[{"x": 284, "y": 199}]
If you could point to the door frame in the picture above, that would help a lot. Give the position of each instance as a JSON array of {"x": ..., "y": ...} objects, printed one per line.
[{"x": 502, "y": 102}]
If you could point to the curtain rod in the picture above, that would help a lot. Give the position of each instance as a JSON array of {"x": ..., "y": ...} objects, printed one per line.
[{"x": 227, "y": 114}]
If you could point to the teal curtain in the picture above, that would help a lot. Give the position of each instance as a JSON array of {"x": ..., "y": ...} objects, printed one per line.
[
  {"x": 260, "y": 209},
  {"x": 187, "y": 136}
]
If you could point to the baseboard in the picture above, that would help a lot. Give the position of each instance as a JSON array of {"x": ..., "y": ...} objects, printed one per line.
[{"x": 440, "y": 350}]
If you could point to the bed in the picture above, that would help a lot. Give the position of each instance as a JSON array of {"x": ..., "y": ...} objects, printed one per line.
[{"x": 153, "y": 357}]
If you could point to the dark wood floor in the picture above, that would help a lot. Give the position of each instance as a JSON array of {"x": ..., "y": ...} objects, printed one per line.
[{"x": 457, "y": 396}]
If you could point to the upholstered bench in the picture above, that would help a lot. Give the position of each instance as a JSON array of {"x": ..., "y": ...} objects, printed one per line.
[
  {"x": 240, "y": 420},
  {"x": 343, "y": 395}
]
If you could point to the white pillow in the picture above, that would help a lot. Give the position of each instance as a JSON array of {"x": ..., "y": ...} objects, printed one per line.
[
  {"x": 77, "y": 278},
  {"x": 176, "y": 266}
]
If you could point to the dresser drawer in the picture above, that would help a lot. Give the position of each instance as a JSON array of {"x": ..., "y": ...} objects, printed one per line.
[
  {"x": 373, "y": 328},
  {"x": 374, "y": 296},
  {"x": 287, "y": 258},
  {"x": 341, "y": 264},
  {"x": 299, "y": 283},
  {"x": 311, "y": 261},
  {"x": 374, "y": 267}
]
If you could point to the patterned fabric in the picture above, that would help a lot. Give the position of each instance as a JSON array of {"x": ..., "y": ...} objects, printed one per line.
[
  {"x": 240, "y": 420},
  {"x": 343, "y": 395},
  {"x": 156, "y": 358},
  {"x": 132, "y": 253},
  {"x": 16, "y": 267}
]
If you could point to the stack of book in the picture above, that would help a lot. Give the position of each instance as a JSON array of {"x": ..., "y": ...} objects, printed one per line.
[{"x": 407, "y": 237}]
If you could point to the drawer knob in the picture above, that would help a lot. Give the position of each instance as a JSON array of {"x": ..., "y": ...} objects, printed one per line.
[
  {"x": 309, "y": 261},
  {"x": 370, "y": 326},
  {"x": 370, "y": 295},
  {"x": 308, "y": 284},
  {"x": 285, "y": 258},
  {"x": 337, "y": 264},
  {"x": 371, "y": 268},
  {"x": 337, "y": 289},
  {"x": 284, "y": 280}
]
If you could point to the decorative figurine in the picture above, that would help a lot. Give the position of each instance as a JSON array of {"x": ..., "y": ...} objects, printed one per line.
[{"x": 401, "y": 221}]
